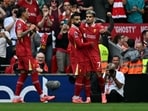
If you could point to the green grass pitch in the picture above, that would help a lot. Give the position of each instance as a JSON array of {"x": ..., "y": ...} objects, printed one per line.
[{"x": 51, "y": 106}]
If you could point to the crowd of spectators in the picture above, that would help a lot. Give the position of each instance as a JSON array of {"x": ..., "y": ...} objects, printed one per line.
[{"x": 52, "y": 19}]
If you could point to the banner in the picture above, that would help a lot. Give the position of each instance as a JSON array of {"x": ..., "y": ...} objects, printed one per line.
[{"x": 131, "y": 30}]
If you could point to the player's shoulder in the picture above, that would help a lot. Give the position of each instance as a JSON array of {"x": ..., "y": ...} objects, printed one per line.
[
  {"x": 71, "y": 29},
  {"x": 83, "y": 23},
  {"x": 98, "y": 24}
]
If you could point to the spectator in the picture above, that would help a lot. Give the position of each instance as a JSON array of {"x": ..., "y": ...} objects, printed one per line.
[
  {"x": 140, "y": 47},
  {"x": 4, "y": 39},
  {"x": 101, "y": 8},
  {"x": 83, "y": 6},
  {"x": 13, "y": 3},
  {"x": 121, "y": 41},
  {"x": 45, "y": 22},
  {"x": 125, "y": 45},
  {"x": 118, "y": 10},
  {"x": 74, "y": 8},
  {"x": 132, "y": 63},
  {"x": 144, "y": 57},
  {"x": 9, "y": 25},
  {"x": 145, "y": 61},
  {"x": 62, "y": 55},
  {"x": 145, "y": 38},
  {"x": 67, "y": 11},
  {"x": 2, "y": 12},
  {"x": 32, "y": 7},
  {"x": 116, "y": 60},
  {"x": 26, "y": 62},
  {"x": 6, "y": 6},
  {"x": 114, "y": 84},
  {"x": 55, "y": 12},
  {"x": 104, "y": 54},
  {"x": 13, "y": 67},
  {"x": 135, "y": 11},
  {"x": 118, "y": 40},
  {"x": 40, "y": 57}
]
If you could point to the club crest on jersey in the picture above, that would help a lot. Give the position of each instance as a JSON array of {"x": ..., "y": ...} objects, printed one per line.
[
  {"x": 94, "y": 30},
  {"x": 35, "y": 9}
]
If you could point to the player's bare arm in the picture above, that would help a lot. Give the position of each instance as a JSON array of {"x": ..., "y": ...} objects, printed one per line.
[{"x": 21, "y": 34}]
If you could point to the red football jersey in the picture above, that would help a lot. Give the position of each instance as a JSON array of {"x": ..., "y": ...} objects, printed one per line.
[
  {"x": 78, "y": 53},
  {"x": 92, "y": 34},
  {"x": 45, "y": 27},
  {"x": 32, "y": 8},
  {"x": 77, "y": 45},
  {"x": 23, "y": 46}
]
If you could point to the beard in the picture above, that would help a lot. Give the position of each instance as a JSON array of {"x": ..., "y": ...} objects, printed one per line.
[{"x": 77, "y": 24}]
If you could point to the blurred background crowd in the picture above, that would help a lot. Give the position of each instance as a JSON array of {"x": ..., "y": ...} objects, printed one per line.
[{"x": 50, "y": 42}]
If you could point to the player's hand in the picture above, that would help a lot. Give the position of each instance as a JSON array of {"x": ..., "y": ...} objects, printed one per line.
[
  {"x": 32, "y": 27},
  {"x": 103, "y": 30},
  {"x": 39, "y": 70}
]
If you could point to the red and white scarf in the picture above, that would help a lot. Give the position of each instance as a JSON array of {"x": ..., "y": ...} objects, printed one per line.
[{"x": 118, "y": 10}]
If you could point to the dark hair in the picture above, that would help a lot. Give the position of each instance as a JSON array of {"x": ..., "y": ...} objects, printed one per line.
[
  {"x": 55, "y": 1},
  {"x": 14, "y": 7},
  {"x": 131, "y": 43},
  {"x": 117, "y": 38},
  {"x": 42, "y": 8},
  {"x": 45, "y": 5},
  {"x": 75, "y": 14},
  {"x": 1, "y": 20},
  {"x": 116, "y": 56},
  {"x": 21, "y": 10},
  {"x": 144, "y": 32}
]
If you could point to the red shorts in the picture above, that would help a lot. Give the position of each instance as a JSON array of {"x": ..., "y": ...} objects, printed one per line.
[
  {"x": 81, "y": 68},
  {"x": 27, "y": 63},
  {"x": 95, "y": 64}
]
